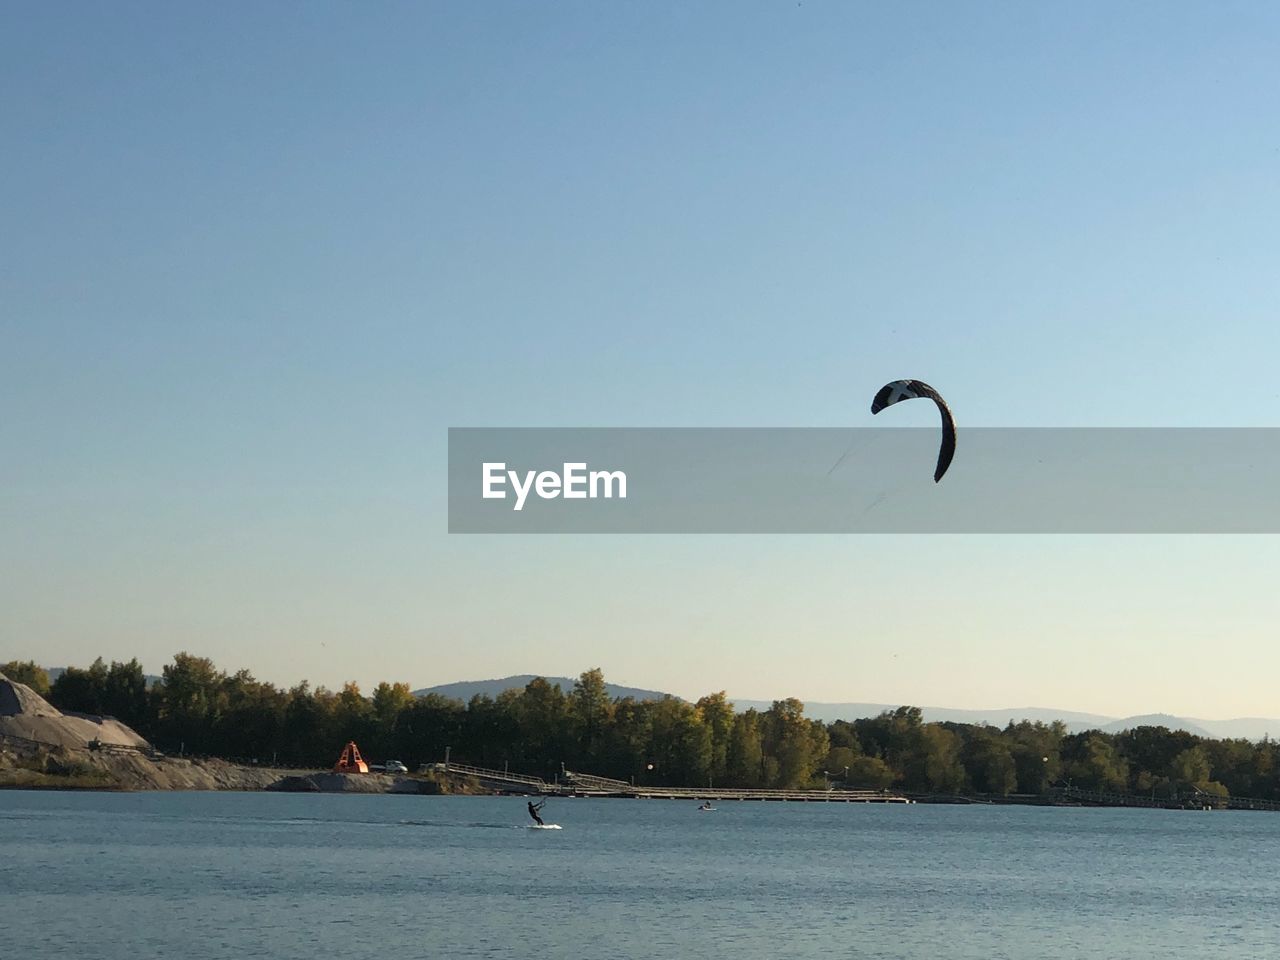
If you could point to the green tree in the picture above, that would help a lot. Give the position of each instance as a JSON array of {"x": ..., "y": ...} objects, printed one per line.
[
  {"x": 125, "y": 695},
  {"x": 744, "y": 758},
  {"x": 680, "y": 748},
  {"x": 252, "y": 717},
  {"x": 1190, "y": 768},
  {"x": 1094, "y": 763},
  {"x": 1036, "y": 749},
  {"x": 190, "y": 702},
  {"x": 429, "y": 726},
  {"x": 938, "y": 768},
  {"x": 840, "y": 759},
  {"x": 717, "y": 713},
  {"x": 1233, "y": 762},
  {"x": 305, "y": 735},
  {"x": 1152, "y": 750},
  {"x": 352, "y": 713},
  {"x": 28, "y": 672},
  {"x": 630, "y": 737},
  {"x": 81, "y": 691},
  {"x": 544, "y": 721},
  {"x": 796, "y": 745},
  {"x": 389, "y": 700},
  {"x": 842, "y": 733},
  {"x": 591, "y": 712},
  {"x": 870, "y": 773},
  {"x": 895, "y": 737},
  {"x": 989, "y": 763}
]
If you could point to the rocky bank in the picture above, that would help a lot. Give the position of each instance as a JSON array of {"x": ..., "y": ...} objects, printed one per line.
[{"x": 42, "y": 747}]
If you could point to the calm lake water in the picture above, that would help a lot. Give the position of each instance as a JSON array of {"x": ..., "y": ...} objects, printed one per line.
[{"x": 197, "y": 876}]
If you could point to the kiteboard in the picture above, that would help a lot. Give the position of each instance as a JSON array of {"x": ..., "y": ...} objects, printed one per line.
[{"x": 543, "y": 826}]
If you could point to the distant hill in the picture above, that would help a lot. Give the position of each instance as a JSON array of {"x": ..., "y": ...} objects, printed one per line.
[
  {"x": 830, "y": 712},
  {"x": 1246, "y": 728},
  {"x": 1249, "y": 728},
  {"x": 1157, "y": 720},
  {"x": 1238, "y": 728},
  {"x": 464, "y": 690}
]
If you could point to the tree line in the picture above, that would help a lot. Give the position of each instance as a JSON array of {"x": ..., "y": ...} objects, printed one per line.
[{"x": 541, "y": 728}]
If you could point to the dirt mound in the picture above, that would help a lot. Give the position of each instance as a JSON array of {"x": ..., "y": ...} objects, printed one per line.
[
  {"x": 28, "y": 716},
  {"x": 23, "y": 764},
  {"x": 133, "y": 771},
  {"x": 18, "y": 698},
  {"x": 336, "y": 783},
  {"x": 365, "y": 783}
]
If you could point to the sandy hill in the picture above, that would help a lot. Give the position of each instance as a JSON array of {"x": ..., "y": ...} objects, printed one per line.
[{"x": 27, "y": 715}]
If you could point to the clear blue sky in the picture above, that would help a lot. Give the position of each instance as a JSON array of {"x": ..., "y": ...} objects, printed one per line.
[{"x": 254, "y": 262}]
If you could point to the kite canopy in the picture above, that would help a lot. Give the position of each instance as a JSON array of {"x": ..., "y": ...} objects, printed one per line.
[{"x": 892, "y": 393}]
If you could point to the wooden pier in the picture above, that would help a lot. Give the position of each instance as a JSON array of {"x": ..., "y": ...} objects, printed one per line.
[
  {"x": 574, "y": 784},
  {"x": 1199, "y": 800}
]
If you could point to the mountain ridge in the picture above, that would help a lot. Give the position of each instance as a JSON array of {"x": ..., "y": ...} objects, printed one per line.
[{"x": 1248, "y": 728}]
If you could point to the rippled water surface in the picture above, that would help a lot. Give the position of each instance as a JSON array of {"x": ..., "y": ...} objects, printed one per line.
[{"x": 196, "y": 876}]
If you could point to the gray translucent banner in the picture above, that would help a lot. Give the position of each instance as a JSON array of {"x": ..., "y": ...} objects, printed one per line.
[{"x": 865, "y": 480}]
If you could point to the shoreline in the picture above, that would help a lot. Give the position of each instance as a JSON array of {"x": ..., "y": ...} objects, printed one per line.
[
  {"x": 214, "y": 775},
  {"x": 50, "y": 767}
]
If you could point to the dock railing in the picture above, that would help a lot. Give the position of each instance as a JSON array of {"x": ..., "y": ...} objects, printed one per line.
[
  {"x": 589, "y": 785},
  {"x": 585, "y": 783},
  {"x": 534, "y": 784}
]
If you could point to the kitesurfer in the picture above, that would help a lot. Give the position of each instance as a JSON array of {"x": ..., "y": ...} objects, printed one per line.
[{"x": 533, "y": 811}]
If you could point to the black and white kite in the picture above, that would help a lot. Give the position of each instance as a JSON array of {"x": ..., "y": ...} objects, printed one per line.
[{"x": 891, "y": 393}]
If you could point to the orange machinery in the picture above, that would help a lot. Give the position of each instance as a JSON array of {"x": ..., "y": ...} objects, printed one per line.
[{"x": 351, "y": 761}]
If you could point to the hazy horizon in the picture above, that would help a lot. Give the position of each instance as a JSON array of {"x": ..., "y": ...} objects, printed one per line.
[
  {"x": 1067, "y": 711},
  {"x": 257, "y": 266}
]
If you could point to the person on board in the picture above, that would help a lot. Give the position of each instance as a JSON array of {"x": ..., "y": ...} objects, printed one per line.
[{"x": 533, "y": 811}]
